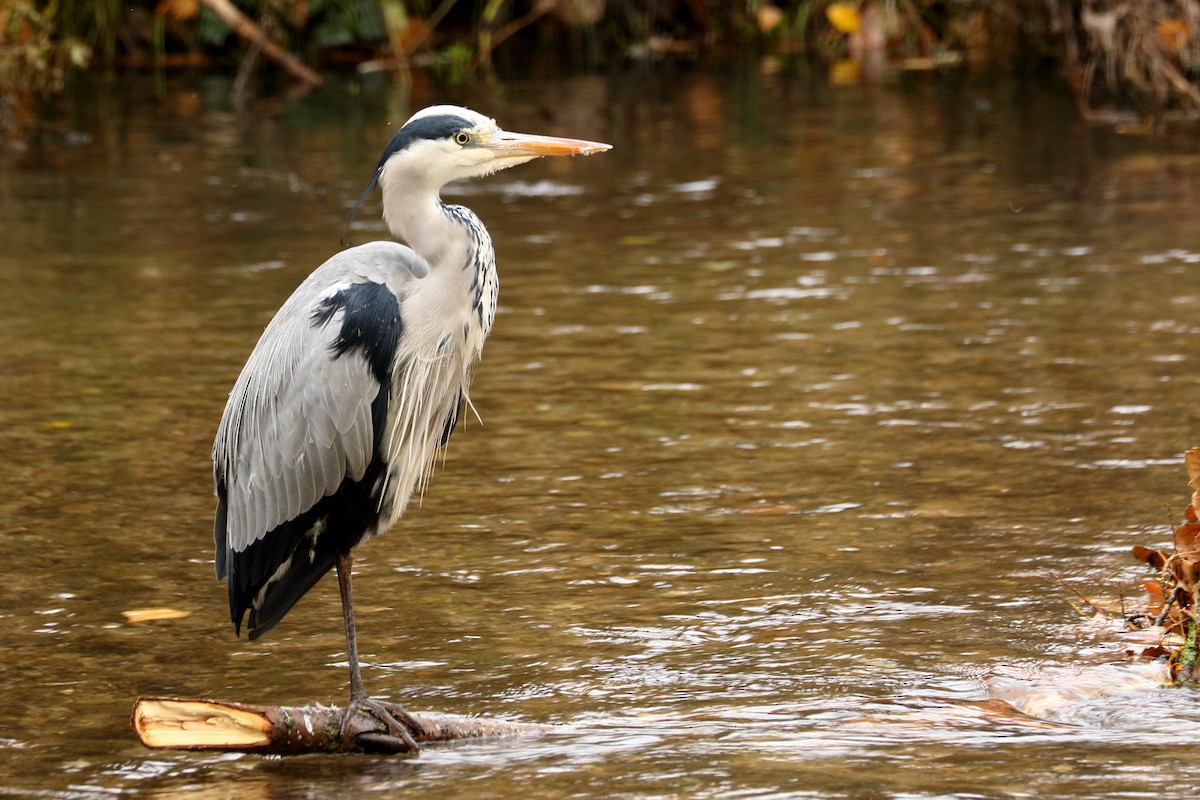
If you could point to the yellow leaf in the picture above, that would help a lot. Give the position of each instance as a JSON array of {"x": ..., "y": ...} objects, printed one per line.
[
  {"x": 148, "y": 614},
  {"x": 57, "y": 424},
  {"x": 844, "y": 16}
]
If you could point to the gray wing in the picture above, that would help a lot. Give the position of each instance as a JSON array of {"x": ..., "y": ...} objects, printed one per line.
[{"x": 298, "y": 421}]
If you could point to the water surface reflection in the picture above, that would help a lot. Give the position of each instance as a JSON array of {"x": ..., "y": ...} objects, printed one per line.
[{"x": 793, "y": 402}]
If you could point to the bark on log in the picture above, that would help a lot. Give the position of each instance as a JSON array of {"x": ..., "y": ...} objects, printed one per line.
[
  {"x": 243, "y": 26},
  {"x": 173, "y": 723}
]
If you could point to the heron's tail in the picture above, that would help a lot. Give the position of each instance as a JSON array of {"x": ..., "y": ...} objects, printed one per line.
[
  {"x": 274, "y": 572},
  {"x": 294, "y": 577}
]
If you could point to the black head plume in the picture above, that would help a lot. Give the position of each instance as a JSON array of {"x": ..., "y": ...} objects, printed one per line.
[{"x": 357, "y": 203}]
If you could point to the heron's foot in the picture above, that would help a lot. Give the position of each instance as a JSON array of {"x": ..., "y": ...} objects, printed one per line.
[{"x": 403, "y": 729}]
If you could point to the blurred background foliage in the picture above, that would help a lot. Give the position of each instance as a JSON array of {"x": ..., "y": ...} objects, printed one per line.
[{"x": 1129, "y": 57}]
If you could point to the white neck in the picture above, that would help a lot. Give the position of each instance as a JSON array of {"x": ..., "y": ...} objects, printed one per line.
[{"x": 414, "y": 214}]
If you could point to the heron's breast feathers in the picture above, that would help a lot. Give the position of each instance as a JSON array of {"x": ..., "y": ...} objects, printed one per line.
[{"x": 426, "y": 393}]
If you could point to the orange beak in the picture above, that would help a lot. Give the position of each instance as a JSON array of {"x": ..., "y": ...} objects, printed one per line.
[{"x": 526, "y": 145}]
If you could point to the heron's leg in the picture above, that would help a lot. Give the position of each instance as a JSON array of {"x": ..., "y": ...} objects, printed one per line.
[{"x": 397, "y": 720}]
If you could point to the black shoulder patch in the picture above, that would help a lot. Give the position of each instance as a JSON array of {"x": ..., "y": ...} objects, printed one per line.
[
  {"x": 441, "y": 126},
  {"x": 370, "y": 324}
]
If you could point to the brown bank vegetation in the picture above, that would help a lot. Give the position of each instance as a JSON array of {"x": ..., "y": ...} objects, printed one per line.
[{"x": 1121, "y": 60}]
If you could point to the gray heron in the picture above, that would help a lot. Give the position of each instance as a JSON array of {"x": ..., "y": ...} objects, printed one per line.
[{"x": 358, "y": 381}]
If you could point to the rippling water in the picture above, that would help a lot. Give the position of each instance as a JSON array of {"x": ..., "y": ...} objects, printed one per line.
[{"x": 794, "y": 401}]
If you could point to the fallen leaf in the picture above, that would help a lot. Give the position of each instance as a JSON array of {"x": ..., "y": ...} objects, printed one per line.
[
  {"x": 1185, "y": 571},
  {"x": 1154, "y": 597},
  {"x": 1185, "y": 536},
  {"x": 148, "y": 614},
  {"x": 1191, "y": 459},
  {"x": 1151, "y": 557}
]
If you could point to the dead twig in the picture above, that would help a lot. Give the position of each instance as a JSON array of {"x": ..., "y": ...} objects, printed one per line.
[
  {"x": 1078, "y": 594},
  {"x": 243, "y": 26}
]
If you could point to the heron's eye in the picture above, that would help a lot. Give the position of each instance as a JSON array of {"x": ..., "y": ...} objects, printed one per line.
[{"x": 462, "y": 138}]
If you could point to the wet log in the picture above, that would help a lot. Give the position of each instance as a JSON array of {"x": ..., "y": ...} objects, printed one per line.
[{"x": 173, "y": 723}]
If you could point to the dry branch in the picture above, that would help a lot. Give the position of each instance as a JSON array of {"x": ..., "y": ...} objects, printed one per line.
[
  {"x": 243, "y": 26},
  {"x": 172, "y": 723}
]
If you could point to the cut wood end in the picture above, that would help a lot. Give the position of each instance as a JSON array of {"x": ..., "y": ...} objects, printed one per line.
[{"x": 163, "y": 722}]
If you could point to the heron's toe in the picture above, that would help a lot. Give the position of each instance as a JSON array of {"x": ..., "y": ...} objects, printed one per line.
[{"x": 401, "y": 727}]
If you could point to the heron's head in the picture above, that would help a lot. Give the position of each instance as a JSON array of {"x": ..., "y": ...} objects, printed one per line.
[{"x": 445, "y": 143}]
